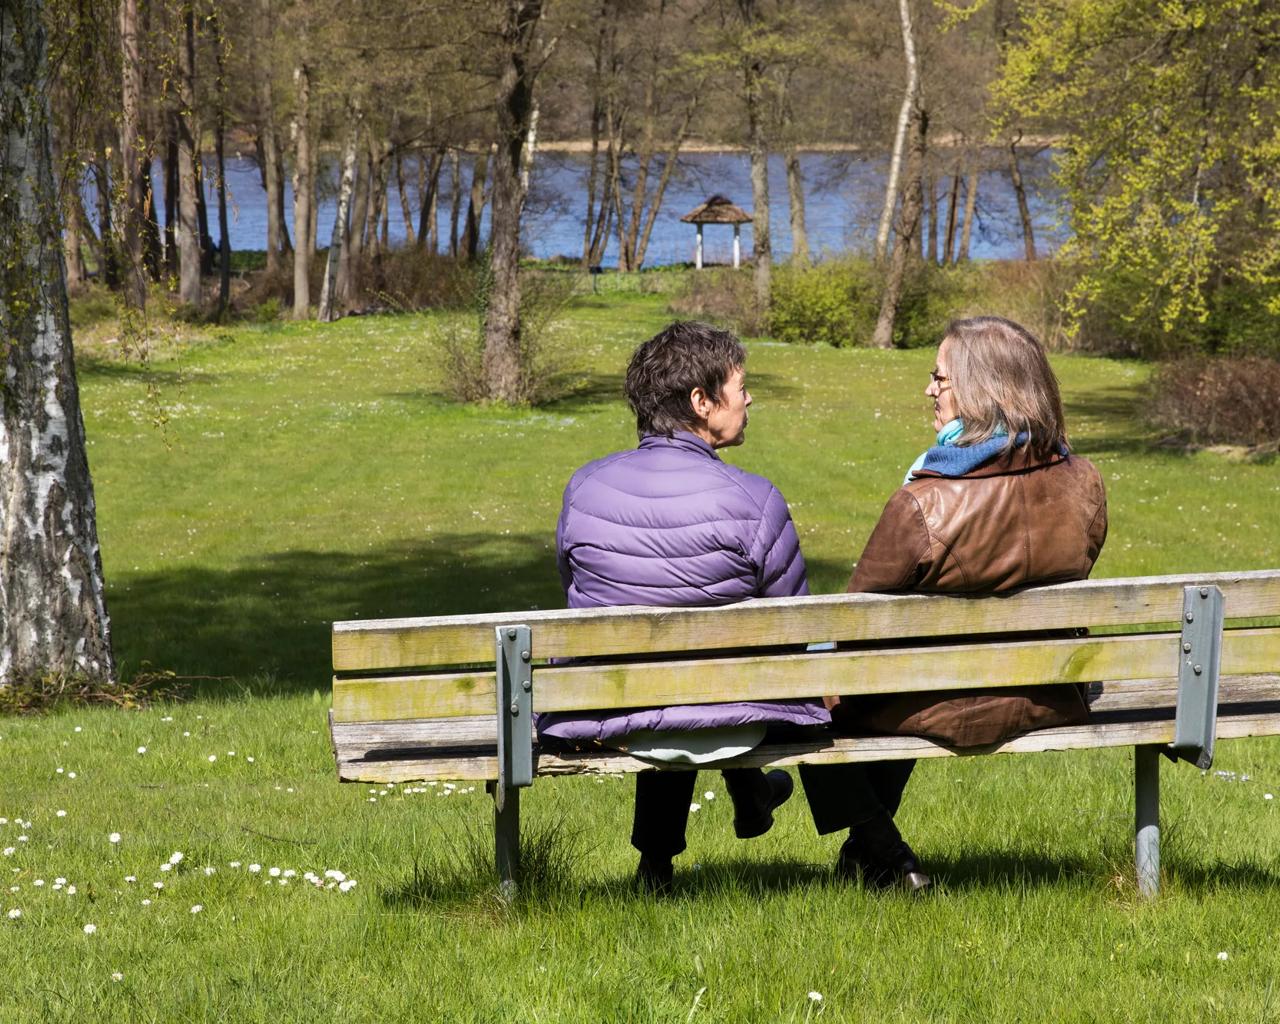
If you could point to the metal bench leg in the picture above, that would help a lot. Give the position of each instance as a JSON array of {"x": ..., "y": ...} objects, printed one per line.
[
  {"x": 506, "y": 838},
  {"x": 1146, "y": 779}
]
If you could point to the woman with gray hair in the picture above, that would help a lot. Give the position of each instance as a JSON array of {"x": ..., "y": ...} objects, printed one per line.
[{"x": 1000, "y": 502}]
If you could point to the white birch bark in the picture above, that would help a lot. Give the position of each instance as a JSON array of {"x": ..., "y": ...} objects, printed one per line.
[
  {"x": 340, "y": 239},
  {"x": 904, "y": 120},
  {"x": 53, "y": 614}
]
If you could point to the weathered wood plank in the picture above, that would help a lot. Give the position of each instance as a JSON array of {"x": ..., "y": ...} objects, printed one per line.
[
  {"x": 357, "y": 740},
  {"x": 387, "y": 644},
  {"x": 832, "y": 751},
  {"x": 771, "y": 677}
]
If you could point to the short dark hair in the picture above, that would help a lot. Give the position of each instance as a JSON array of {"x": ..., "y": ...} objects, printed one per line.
[{"x": 666, "y": 368}]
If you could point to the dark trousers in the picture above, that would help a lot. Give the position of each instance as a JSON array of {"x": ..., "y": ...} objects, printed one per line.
[
  {"x": 847, "y": 795},
  {"x": 662, "y": 806},
  {"x": 840, "y": 796}
]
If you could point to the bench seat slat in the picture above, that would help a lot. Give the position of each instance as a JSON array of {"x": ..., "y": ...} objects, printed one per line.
[
  {"x": 397, "y": 644},
  {"x": 832, "y": 750},
  {"x": 647, "y": 684}
]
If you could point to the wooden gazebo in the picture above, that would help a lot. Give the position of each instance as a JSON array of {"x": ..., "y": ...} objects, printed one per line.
[{"x": 718, "y": 210}]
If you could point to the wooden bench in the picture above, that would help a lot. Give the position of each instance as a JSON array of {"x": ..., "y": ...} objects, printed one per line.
[{"x": 452, "y": 697}]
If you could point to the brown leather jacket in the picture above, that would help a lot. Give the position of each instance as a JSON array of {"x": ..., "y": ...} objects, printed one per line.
[{"x": 1015, "y": 521}]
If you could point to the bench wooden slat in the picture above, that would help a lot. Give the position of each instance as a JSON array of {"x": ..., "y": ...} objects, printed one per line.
[
  {"x": 356, "y": 740},
  {"x": 833, "y": 750},
  {"x": 647, "y": 684},
  {"x": 391, "y": 644}
]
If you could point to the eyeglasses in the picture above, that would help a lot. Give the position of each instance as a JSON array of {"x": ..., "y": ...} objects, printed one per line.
[{"x": 937, "y": 378}]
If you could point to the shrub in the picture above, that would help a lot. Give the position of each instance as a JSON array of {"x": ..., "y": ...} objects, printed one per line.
[
  {"x": 1224, "y": 400},
  {"x": 722, "y": 296},
  {"x": 834, "y": 303},
  {"x": 546, "y": 369}
]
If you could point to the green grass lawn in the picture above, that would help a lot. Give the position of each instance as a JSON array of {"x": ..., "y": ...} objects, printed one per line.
[{"x": 307, "y": 473}]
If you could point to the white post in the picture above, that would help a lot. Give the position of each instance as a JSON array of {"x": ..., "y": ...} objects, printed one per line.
[
  {"x": 697, "y": 249},
  {"x": 737, "y": 245}
]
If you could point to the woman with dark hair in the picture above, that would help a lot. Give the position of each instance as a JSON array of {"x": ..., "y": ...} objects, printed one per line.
[
  {"x": 669, "y": 523},
  {"x": 999, "y": 503}
]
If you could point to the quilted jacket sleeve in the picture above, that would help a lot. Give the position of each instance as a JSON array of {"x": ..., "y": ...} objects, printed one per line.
[{"x": 776, "y": 550}]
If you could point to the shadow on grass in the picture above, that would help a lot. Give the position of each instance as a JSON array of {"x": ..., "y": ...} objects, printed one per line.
[
  {"x": 272, "y": 615},
  {"x": 1121, "y": 429}
]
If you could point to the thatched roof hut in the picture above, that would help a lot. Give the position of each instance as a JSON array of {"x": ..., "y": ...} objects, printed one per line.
[{"x": 717, "y": 210}]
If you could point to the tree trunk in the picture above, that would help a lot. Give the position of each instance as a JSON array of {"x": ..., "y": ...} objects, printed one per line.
[
  {"x": 73, "y": 218},
  {"x": 753, "y": 83},
  {"x": 904, "y": 119},
  {"x": 171, "y": 194},
  {"x": 1024, "y": 211},
  {"x": 608, "y": 29},
  {"x": 286, "y": 243},
  {"x": 515, "y": 102},
  {"x": 931, "y": 198},
  {"x": 273, "y": 180},
  {"x": 795, "y": 192},
  {"x": 668, "y": 168},
  {"x": 108, "y": 265},
  {"x": 470, "y": 243},
  {"x": 455, "y": 199},
  {"x": 302, "y": 193},
  {"x": 905, "y": 238},
  {"x": 53, "y": 612},
  {"x": 530, "y": 149},
  {"x": 360, "y": 205},
  {"x": 970, "y": 207},
  {"x": 224, "y": 232},
  {"x": 953, "y": 200},
  {"x": 152, "y": 254},
  {"x": 188, "y": 156},
  {"x": 428, "y": 195},
  {"x": 405, "y": 211},
  {"x": 338, "y": 260},
  {"x": 134, "y": 208}
]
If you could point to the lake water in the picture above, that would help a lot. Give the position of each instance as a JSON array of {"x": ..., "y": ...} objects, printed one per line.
[{"x": 843, "y": 193}]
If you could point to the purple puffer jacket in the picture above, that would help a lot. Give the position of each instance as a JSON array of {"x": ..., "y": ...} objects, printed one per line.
[{"x": 669, "y": 524}]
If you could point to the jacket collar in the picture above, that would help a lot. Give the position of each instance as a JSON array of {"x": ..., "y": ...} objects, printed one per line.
[
  {"x": 680, "y": 439},
  {"x": 1015, "y": 460}
]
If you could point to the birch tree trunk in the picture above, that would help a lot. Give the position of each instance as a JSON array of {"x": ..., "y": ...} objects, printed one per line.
[
  {"x": 905, "y": 237},
  {"x": 188, "y": 214},
  {"x": 302, "y": 192},
  {"x": 904, "y": 121},
  {"x": 340, "y": 238},
  {"x": 515, "y": 103},
  {"x": 53, "y": 613},
  {"x": 134, "y": 211}
]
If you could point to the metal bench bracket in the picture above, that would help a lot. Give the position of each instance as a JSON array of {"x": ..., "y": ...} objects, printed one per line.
[
  {"x": 514, "y": 666},
  {"x": 1199, "y": 658}
]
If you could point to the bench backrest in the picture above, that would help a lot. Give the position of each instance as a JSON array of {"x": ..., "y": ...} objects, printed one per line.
[{"x": 443, "y": 667}]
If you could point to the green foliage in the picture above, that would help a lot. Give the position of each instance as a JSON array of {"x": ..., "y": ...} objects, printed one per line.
[
  {"x": 832, "y": 303},
  {"x": 836, "y": 302},
  {"x": 1170, "y": 157}
]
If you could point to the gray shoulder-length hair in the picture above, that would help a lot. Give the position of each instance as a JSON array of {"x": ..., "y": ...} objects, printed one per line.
[{"x": 1000, "y": 377}]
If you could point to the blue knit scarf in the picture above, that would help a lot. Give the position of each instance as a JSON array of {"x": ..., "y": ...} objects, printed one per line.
[{"x": 947, "y": 458}]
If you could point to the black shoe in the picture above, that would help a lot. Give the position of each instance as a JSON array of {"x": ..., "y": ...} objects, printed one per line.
[
  {"x": 759, "y": 819},
  {"x": 895, "y": 866},
  {"x": 654, "y": 874}
]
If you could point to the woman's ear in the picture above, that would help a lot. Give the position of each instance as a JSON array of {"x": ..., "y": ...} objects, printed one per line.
[{"x": 700, "y": 402}]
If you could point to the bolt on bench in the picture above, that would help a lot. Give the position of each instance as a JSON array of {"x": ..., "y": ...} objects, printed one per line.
[{"x": 452, "y": 697}]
